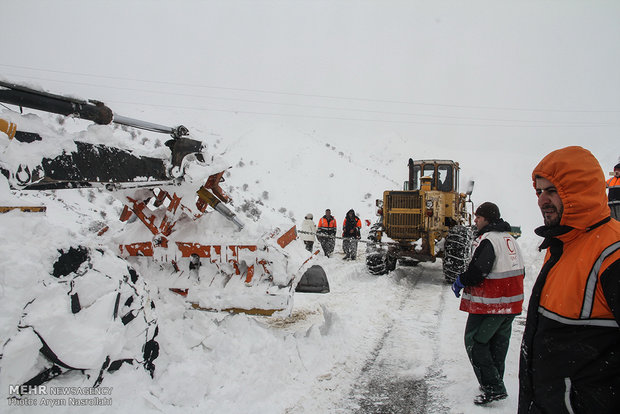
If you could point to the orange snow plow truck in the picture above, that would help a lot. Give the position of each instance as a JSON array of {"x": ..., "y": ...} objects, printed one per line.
[{"x": 177, "y": 225}]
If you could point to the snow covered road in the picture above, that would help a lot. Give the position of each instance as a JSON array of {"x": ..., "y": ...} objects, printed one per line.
[
  {"x": 403, "y": 349},
  {"x": 399, "y": 370},
  {"x": 390, "y": 381}
]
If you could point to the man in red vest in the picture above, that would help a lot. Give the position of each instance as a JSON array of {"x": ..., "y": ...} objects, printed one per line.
[
  {"x": 613, "y": 184},
  {"x": 493, "y": 296}
]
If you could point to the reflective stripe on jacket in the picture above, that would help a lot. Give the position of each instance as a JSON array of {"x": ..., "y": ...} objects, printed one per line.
[
  {"x": 501, "y": 292},
  {"x": 586, "y": 256},
  {"x": 570, "y": 355},
  {"x": 325, "y": 223}
]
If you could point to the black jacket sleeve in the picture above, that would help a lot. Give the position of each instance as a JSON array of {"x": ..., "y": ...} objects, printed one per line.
[
  {"x": 610, "y": 283},
  {"x": 480, "y": 265}
]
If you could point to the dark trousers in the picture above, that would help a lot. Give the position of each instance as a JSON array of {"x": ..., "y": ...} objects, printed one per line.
[
  {"x": 327, "y": 240},
  {"x": 309, "y": 244},
  {"x": 486, "y": 341},
  {"x": 615, "y": 210},
  {"x": 349, "y": 245}
]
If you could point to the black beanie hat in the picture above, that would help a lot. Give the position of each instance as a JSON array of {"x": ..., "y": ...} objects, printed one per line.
[
  {"x": 489, "y": 211},
  {"x": 617, "y": 166}
]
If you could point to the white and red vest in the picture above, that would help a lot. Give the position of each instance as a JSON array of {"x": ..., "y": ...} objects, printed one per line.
[{"x": 501, "y": 292}]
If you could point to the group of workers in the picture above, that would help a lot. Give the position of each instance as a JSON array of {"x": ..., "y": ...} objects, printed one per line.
[
  {"x": 326, "y": 233},
  {"x": 570, "y": 351}
]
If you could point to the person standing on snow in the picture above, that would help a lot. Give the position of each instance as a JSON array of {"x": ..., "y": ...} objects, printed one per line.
[
  {"x": 327, "y": 233},
  {"x": 614, "y": 193},
  {"x": 493, "y": 296},
  {"x": 308, "y": 231},
  {"x": 351, "y": 234},
  {"x": 570, "y": 354}
]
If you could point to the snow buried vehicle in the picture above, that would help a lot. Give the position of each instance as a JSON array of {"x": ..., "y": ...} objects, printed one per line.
[
  {"x": 175, "y": 228},
  {"x": 91, "y": 314},
  {"x": 428, "y": 219}
]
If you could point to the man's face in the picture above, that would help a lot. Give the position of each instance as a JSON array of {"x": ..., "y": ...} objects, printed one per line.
[
  {"x": 328, "y": 213},
  {"x": 617, "y": 173},
  {"x": 549, "y": 202},
  {"x": 480, "y": 222}
]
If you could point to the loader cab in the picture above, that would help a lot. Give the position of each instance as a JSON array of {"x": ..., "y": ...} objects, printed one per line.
[{"x": 443, "y": 175}]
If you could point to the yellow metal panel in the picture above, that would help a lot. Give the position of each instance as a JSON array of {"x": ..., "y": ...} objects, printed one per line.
[{"x": 26, "y": 209}]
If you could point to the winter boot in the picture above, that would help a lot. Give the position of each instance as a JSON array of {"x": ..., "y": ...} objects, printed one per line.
[{"x": 487, "y": 397}]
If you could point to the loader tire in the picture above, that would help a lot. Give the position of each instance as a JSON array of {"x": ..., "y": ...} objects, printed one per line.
[
  {"x": 374, "y": 234},
  {"x": 390, "y": 262},
  {"x": 380, "y": 263},
  {"x": 457, "y": 252},
  {"x": 376, "y": 264}
]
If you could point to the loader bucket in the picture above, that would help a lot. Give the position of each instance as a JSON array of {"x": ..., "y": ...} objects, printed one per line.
[
  {"x": 314, "y": 280},
  {"x": 255, "y": 277}
]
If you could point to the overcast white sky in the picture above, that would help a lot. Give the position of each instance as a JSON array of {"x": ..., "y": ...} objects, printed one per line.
[{"x": 439, "y": 79}]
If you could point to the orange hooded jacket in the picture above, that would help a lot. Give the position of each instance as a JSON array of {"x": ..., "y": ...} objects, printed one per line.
[
  {"x": 585, "y": 204},
  {"x": 570, "y": 355}
]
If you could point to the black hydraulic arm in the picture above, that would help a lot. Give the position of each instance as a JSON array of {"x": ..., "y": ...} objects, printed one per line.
[
  {"x": 23, "y": 96},
  {"x": 90, "y": 163},
  {"x": 90, "y": 110}
]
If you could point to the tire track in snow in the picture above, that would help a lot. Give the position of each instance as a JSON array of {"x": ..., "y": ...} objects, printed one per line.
[
  {"x": 395, "y": 378},
  {"x": 435, "y": 377}
]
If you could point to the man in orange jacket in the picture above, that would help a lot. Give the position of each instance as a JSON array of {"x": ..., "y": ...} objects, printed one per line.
[
  {"x": 326, "y": 232},
  {"x": 613, "y": 184},
  {"x": 570, "y": 354}
]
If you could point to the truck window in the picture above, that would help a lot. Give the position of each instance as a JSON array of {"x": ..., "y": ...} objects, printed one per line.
[
  {"x": 445, "y": 177},
  {"x": 416, "y": 177}
]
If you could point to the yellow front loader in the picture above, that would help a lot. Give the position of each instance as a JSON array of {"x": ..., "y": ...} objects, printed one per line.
[{"x": 429, "y": 218}]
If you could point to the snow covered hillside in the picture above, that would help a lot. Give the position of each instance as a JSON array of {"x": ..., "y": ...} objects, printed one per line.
[{"x": 299, "y": 173}]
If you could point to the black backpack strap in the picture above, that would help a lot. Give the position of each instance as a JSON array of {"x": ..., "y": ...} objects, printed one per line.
[{"x": 45, "y": 376}]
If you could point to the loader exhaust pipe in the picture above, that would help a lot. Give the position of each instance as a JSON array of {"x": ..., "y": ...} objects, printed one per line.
[{"x": 411, "y": 177}]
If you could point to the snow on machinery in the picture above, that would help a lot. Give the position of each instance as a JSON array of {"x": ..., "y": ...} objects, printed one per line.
[
  {"x": 81, "y": 311},
  {"x": 169, "y": 231},
  {"x": 429, "y": 218}
]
